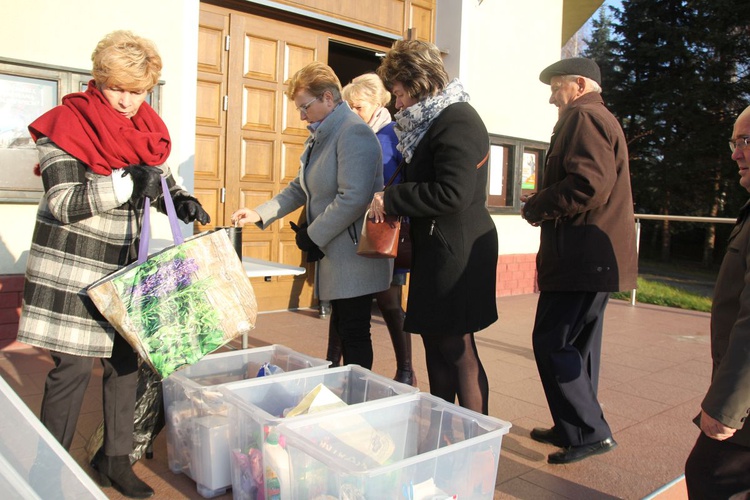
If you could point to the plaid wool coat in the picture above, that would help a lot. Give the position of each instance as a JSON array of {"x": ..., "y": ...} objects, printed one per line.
[{"x": 83, "y": 232}]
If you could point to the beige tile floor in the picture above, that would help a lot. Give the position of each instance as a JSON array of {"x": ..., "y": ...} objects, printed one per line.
[{"x": 655, "y": 370}]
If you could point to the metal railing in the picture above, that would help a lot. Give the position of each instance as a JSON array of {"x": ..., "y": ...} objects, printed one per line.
[{"x": 676, "y": 218}]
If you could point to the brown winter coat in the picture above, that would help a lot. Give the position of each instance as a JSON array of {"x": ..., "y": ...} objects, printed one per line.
[{"x": 585, "y": 205}]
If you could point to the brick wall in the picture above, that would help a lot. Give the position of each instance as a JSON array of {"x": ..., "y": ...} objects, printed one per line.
[
  {"x": 11, "y": 289},
  {"x": 516, "y": 274}
]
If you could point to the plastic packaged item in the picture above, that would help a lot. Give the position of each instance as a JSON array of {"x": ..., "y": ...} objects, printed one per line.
[
  {"x": 276, "y": 468},
  {"x": 268, "y": 369},
  {"x": 250, "y": 484},
  {"x": 319, "y": 399},
  {"x": 210, "y": 455}
]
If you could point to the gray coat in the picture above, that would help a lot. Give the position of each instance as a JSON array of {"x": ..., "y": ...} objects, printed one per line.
[{"x": 340, "y": 171}]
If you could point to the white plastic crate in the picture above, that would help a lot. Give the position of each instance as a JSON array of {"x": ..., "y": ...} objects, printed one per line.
[
  {"x": 256, "y": 408},
  {"x": 417, "y": 447},
  {"x": 191, "y": 394},
  {"x": 32, "y": 463}
]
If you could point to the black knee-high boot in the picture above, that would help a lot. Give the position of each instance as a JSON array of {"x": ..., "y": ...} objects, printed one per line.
[
  {"x": 394, "y": 320},
  {"x": 117, "y": 472}
]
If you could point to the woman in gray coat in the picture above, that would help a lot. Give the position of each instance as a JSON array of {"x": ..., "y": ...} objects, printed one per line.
[
  {"x": 340, "y": 170},
  {"x": 454, "y": 241}
]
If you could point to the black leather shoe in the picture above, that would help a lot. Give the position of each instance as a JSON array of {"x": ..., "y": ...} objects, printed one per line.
[
  {"x": 575, "y": 453},
  {"x": 117, "y": 472},
  {"x": 548, "y": 436}
]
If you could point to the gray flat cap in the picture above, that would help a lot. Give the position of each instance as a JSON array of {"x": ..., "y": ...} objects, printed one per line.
[{"x": 573, "y": 66}]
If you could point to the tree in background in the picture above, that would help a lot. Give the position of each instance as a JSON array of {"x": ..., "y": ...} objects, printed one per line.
[{"x": 675, "y": 72}]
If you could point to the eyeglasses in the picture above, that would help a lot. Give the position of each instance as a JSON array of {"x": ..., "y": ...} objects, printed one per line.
[
  {"x": 741, "y": 143},
  {"x": 303, "y": 108}
]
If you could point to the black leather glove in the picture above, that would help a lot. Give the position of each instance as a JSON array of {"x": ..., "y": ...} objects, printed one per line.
[
  {"x": 146, "y": 181},
  {"x": 304, "y": 243},
  {"x": 190, "y": 209}
]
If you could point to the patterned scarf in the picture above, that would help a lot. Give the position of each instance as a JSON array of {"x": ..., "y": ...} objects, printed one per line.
[
  {"x": 88, "y": 128},
  {"x": 413, "y": 122}
]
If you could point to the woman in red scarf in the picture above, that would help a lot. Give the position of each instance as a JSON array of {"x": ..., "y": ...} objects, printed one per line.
[{"x": 100, "y": 154}]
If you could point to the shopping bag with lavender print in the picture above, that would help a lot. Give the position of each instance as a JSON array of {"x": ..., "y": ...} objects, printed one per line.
[{"x": 181, "y": 303}]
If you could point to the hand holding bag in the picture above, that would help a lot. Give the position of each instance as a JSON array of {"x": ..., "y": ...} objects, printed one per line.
[
  {"x": 379, "y": 240},
  {"x": 181, "y": 303},
  {"x": 388, "y": 239}
]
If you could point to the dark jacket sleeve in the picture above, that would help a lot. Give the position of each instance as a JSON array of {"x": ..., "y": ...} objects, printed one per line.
[
  {"x": 728, "y": 397},
  {"x": 584, "y": 157}
]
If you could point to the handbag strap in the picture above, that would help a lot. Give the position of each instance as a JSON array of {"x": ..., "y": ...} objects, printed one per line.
[
  {"x": 146, "y": 223},
  {"x": 393, "y": 177},
  {"x": 484, "y": 160}
]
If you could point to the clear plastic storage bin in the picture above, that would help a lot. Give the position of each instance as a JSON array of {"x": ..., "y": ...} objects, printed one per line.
[
  {"x": 33, "y": 465},
  {"x": 256, "y": 408},
  {"x": 196, "y": 413},
  {"x": 417, "y": 447}
]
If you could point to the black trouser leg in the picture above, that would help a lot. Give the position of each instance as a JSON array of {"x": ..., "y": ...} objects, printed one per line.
[
  {"x": 717, "y": 470},
  {"x": 567, "y": 341},
  {"x": 119, "y": 383},
  {"x": 351, "y": 318},
  {"x": 63, "y": 395}
]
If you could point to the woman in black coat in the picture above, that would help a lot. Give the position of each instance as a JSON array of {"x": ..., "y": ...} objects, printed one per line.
[{"x": 454, "y": 241}]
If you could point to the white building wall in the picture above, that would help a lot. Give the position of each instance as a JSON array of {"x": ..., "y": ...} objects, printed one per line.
[
  {"x": 65, "y": 33},
  {"x": 497, "y": 49}
]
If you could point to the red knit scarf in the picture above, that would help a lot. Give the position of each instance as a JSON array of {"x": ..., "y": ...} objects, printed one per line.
[{"x": 87, "y": 127}]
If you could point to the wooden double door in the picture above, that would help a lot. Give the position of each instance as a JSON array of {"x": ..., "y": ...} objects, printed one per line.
[{"x": 249, "y": 136}]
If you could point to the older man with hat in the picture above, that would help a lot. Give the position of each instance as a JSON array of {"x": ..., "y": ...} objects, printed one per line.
[{"x": 587, "y": 250}]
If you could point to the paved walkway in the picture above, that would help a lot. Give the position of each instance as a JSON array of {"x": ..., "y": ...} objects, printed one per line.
[{"x": 655, "y": 369}]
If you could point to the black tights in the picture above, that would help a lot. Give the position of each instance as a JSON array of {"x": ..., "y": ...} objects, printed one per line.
[{"x": 454, "y": 369}]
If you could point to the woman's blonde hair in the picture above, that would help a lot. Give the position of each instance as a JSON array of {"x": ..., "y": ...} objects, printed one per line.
[
  {"x": 367, "y": 88},
  {"x": 122, "y": 59},
  {"x": 415, "y": 64},
  {"x": 316, "y": 78}
]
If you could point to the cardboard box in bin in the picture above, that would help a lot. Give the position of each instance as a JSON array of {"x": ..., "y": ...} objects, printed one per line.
[
  {"x": 257, "y": 408},
  {"x": 191, "y": 394},
  {"x": 417, "y": 447}
]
